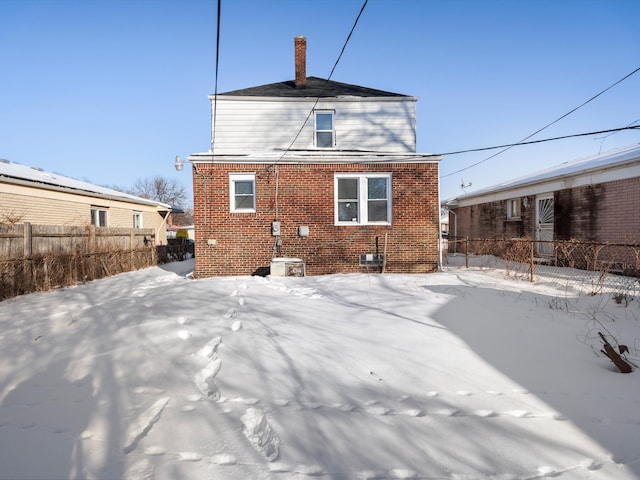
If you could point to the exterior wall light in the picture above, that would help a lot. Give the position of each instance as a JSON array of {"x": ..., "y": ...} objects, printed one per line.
[{"x": 179, "y": 163}]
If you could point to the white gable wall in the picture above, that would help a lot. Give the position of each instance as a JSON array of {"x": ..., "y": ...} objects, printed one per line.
[{"x": 259, "y": 124}]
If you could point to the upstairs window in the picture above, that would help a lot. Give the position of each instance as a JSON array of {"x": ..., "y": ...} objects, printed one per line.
[
  {"x": 242, "y": 191},
  {"x": 98, "y": 217},
  {"x": 513, "y": 209},
  {"x": 363, "y": 199},
  {"x": 324, "y": 136}
]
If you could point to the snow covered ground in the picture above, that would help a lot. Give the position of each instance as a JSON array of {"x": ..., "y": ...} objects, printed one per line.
[{"x": 462, "y": 374}]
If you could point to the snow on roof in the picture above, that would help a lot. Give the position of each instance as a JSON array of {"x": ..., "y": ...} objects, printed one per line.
[
  {"x": 15, "y": 171},
  {"x": 611, "y": 158}
]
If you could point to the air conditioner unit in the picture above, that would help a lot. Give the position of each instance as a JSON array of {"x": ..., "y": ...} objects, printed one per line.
[{"x": 287, "y": 267}]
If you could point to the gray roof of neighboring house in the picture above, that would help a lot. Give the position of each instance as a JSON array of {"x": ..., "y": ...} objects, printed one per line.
[
  {"x": 15, "y": 173},
  {"x": 315, "y": 87},
  {"x": 612, "y": 158}
]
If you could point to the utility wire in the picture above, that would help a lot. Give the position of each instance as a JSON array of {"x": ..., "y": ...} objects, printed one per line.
[
  {"x": 215, "y": 90},
  {"x": 275, "y": 164},
  {"x": 521, "y": 142},
  {"x": 543, "y": 140},
  {"x": 327, "y": 81}
]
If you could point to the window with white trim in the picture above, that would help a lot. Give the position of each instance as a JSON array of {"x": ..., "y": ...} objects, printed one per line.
[
  {"x": 98, "y": 217},
  {"x": 513, "y": 209},
  {"x": 362, "y": 198},
  {"x": 242, "y": 192},
  {"x": 137, "y": 219},
  {"x": 324, "y": 129}
]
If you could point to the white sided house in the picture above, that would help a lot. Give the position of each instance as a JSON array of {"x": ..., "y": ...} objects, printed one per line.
[{"x": 31, "y": 195}]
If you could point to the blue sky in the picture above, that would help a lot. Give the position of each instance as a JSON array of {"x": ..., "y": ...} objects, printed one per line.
[{"x": 109, "y": 91}]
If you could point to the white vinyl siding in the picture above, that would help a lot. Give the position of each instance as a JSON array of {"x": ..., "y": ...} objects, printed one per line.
[
  {"x": 260, "y": 124},
  {"x": 49, "y": 207}
]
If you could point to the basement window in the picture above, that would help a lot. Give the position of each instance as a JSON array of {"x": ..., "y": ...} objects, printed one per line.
[
  {"x": 513, "y": 209},
  {"x": 324, "y": 129},
  {"x": 362, "y": 199},
  {"x": 242, "y": 192}
]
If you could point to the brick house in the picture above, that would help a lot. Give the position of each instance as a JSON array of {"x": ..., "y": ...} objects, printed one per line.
[
  {"x": 593, "y": 199},
  {"x": 316, "y": 170}
]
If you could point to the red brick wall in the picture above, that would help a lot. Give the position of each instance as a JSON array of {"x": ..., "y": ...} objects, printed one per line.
[
  {"x": 244, "y": 244},
  {"x": 604, "y": 212}
]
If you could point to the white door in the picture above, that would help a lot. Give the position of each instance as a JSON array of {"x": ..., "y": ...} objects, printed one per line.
[{"x": 544, "y": 224}]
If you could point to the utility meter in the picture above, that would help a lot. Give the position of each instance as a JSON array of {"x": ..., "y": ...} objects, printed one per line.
[{"x": 275, "y": 228}]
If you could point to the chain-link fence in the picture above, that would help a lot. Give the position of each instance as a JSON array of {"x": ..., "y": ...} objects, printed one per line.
[{"x": 588, "y": 266}]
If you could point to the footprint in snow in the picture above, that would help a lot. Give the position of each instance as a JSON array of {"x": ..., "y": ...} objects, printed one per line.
[
  {"x": 237, "y": 326},
  {"x": 184, "y": 335},
  {"x": 378, "y": 410},
  {"x": 546, "y": 471},
  {"x": 143, "y": 424},
  {"x": 241, "y": 301},
  {"x": 494, "y": 392},
  {"x": 309, "y": 470},
  {"x": 485, "y": 413},
  {"x": 402, "y": 473},
  {"x": 518, "y": 413},
  {"x": 463, "y": 393},
  {"x": 224, "y": 459},
  {"x": 231, "y": 313},
  {"x": 189, "y": 456},
  {"x": 155, "y": 451},
  {"x": 432, "y": 394},
  {"x": 234, "y": 293},
  {"x": 279, "y": 467},
  {"x": 413, "y": 412}
]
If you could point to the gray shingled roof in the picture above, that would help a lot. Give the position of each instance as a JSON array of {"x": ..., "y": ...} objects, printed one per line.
[{"x": 316, "y": 87}]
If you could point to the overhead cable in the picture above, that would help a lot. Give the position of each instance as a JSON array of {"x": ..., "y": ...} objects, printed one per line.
[
  {"x": 541, "y": 141},
  {"x": 521, "y": 142}
]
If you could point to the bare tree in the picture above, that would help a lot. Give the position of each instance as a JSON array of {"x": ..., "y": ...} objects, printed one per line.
[{"x": 161, "y": 189}]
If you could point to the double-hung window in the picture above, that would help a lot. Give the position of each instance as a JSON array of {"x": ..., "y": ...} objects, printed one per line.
[
  {"x": 242, "y": 192},
  {"x": 324, "y": 129},
  {"x": 362, "y": 198},
  {"x": 98, "y": 217}
]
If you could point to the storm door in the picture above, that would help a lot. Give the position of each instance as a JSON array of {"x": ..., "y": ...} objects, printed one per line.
[{"x": 544, "y": 224}]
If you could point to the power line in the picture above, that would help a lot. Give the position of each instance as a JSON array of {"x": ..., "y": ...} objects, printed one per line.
[
  {"x": 215, "y": 90},
  {"x": 275, "y": 164},
  {"x": 540, "y": 141},
  {"x": 521, "y": 142}
]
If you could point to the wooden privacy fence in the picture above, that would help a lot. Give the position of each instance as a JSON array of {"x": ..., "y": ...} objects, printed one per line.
[{"x": 42, "y": 257}]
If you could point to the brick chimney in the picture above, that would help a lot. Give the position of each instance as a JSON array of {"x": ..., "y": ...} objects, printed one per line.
[{"x": 301, "y": 61}]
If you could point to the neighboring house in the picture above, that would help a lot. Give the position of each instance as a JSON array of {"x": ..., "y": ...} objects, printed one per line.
[
  {"x": 316, "y": 170},
  {"x": 31, "y": 195},
  {"x": 593, "y": 199}
]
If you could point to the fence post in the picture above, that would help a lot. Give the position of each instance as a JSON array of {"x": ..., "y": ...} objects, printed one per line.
[
  {"x": 132, "y": 238},
  {"x": 27, "y": 240},
  {"x": 531, "y": 261},
  {"x": 466, "y": 252}
]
